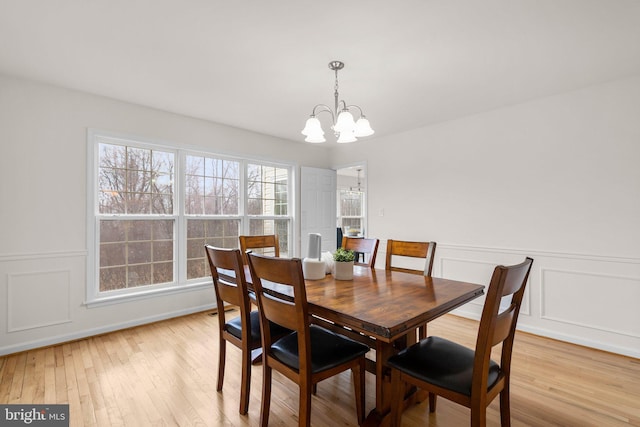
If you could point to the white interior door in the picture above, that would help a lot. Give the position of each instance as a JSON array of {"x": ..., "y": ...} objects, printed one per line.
[{"x": 317, "y": 207}]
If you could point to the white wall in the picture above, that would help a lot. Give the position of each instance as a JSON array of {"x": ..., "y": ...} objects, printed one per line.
[
  {"x": 556, "y": 178},
  {"x": 43, "y": 139}
]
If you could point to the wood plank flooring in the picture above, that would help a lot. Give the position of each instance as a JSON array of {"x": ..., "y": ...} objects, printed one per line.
[{"x": 164, "y": 374}]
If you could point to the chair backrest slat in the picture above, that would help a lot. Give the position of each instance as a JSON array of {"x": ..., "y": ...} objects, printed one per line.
[
  {"x": 362, "y": 245},
  {"x": 503, "y": 325},
  {"x": 268, "y": 243},
  {"x": 402, "y": 248},
  {"x": 281, "y": 312}
]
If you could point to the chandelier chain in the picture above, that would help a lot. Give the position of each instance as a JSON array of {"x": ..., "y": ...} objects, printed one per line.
[{"x": 336, "y": 96}]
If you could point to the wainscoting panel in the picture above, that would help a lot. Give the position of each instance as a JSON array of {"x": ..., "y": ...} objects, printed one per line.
[
  {"x": 589, "y": 295},
  {"x": 38, "y": 299}
]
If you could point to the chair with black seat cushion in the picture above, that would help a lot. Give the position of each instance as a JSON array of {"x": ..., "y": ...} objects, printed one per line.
[
  {"x": 403, "y": 248},
  {"x": 267, "y": 244},
  {"x": 310, "y": 354},
  {"x": 243, "y": 331},
  {"x": 364, "y": 246},
  {"x": 460, "y": 374}
]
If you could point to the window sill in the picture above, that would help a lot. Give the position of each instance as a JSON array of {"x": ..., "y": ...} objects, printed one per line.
[{"x": 140, "y": 294}]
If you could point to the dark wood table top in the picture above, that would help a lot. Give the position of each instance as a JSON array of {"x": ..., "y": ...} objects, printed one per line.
[{"x": 384, "y": 304}]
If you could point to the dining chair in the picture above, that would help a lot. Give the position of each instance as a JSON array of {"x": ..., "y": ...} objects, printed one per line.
[
  {"x": 310, "y": 354},
  {"x": 362, "y": 245},
  {"x": 402, "y": 248},
  {"x": 268, "y": 244},
  {"x": 458, "y": 373},
  {"x": 243, "y": 331}
]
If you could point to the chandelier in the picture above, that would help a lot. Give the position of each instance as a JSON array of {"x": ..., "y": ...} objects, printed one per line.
[{"x": 345, "y": 128}]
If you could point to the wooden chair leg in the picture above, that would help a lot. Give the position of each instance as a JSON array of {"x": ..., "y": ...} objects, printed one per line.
[
  {"x": 505, "y": 407},
  {"x": 304, "y": 407},
  {"x": 245, "y": 385},
  {"x": 221, "y": 361},
  {"x": 397, "y": 394},
  {"x": 266, "y": 395},
  {"x": 358, "y": 374},
  {"x": 432, "y": 402},
  {"x": 478, "y": 415}
]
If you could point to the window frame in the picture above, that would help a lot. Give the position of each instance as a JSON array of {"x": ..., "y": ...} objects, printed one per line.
[{"x": 180, "y": 283}]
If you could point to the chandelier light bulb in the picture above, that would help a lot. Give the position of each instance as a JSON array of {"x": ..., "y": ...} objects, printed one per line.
[
  {"x": 312, "y": 127},
  {"x": 346, "y": 137},
  {"x": 315, "y": 139},
  {"x": 363, "y": 128},
  {"x": 345, "y": 122}
]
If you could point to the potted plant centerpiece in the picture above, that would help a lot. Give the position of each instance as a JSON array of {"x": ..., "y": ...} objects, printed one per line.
[{"x": 343, "y": 264}]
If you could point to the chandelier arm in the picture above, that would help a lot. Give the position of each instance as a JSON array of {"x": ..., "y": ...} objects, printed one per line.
[
  {"x": 324, "y": 108},
  {"x": 355, "y": 106}
]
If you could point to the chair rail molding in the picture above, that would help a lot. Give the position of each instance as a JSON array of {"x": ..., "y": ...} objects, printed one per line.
[{"x": 42, "y": 255}]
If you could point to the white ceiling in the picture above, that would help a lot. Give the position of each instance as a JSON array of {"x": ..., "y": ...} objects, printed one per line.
[{"x": 262, "y": 65}]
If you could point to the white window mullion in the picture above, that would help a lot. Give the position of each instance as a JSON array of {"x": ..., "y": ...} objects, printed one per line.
[
  {"x": 244, "y": 223},
  {"x": 180, "y": 244}
]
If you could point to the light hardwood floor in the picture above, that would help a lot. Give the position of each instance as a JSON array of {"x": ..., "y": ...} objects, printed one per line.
[{"x": 165, "y": 374}]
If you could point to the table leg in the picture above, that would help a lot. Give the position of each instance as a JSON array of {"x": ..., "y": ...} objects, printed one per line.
[{"x": 380, "y": 416}]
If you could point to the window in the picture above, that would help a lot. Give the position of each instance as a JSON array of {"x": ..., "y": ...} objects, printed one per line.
[
  {"x": 153, "y": 207},
  {"x": 135, "y": 194},
  {"x": 212, "y": 208},
  {"x": 267, "y": 203},
  {"x": 351, "y": 212}
]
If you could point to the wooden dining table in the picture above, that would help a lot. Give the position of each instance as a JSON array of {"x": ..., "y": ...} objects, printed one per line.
[{"x": 382, "y": 309}]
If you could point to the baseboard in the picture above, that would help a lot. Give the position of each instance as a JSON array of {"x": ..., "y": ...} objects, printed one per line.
[{"x": 61, "y": 339}]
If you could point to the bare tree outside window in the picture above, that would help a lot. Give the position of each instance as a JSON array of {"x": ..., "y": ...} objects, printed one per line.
[
  {"x": 212, "y": 186},
  {"x": 135, "y": 181}
]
